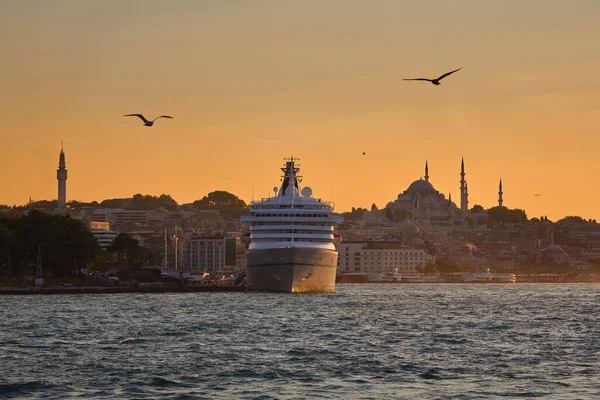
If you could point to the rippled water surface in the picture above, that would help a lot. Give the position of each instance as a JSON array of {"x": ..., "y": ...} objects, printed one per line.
[{"x": 364, "y": 341}]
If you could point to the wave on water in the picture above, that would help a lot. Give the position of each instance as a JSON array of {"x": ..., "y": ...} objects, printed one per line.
[
  {"x": 127, "y": 340},
  {"x": 10, "y": 390},
  {"x": 368, "y": 341}
]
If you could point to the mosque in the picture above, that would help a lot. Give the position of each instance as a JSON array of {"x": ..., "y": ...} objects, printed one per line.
[{"x": 425, "y": 208}]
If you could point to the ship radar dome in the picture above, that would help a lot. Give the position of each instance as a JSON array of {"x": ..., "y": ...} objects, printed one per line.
[{"x": 306, "y": 191}]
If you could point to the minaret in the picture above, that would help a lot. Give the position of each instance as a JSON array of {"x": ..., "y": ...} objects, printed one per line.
[
  {"x": 500, "y": 194},
  {"x": 466, "y": 197},
  {"x": 426, "y": 171},
  {"x": 463, "y": 192},
  {"x": 61, "y": 175},
  {"x": 450, "y": 216}
]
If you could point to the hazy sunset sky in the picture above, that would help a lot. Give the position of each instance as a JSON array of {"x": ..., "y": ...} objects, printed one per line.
[{"x": 251, "y": 82}]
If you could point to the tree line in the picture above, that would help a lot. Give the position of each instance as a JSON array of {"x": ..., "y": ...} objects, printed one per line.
[
  {"x": 64, "y": 244},
  {"x": 218, "y": 200}
]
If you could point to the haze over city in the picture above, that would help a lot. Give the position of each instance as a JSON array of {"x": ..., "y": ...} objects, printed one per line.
[{"x": 251, "y": 83}]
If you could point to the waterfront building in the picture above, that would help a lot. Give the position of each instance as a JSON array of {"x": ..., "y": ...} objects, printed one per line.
[
  {"x": 205, "y": 253},
  {"x": 370, "y": 257}
]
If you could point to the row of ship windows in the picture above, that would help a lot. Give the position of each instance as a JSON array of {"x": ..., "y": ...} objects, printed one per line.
[
  {"x": 296, "y": 223},
  {"x": 289, "y": 215},
  {"x": 391, "y": 263},
  {"x": 391, "y": 253},
  {"x": 295, "y": 206},
  {"x": 317, "y": 240},
  {"x": 302, "y": 231}
]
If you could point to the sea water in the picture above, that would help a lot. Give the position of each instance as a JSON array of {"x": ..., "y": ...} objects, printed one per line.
[{"x": 413, "y": 341}]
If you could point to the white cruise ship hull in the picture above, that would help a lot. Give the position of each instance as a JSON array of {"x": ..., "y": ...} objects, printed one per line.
[{"x": 291, "y": 270}]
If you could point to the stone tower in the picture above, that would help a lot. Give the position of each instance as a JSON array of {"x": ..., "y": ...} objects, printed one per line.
[{"x": 61, "y": 176}]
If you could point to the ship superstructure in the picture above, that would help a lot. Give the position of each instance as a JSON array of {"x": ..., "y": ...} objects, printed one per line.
[{"x": 292, "y": 240}]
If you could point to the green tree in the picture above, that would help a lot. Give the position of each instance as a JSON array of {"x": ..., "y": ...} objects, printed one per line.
[
  {"x": 477, "y": 209},
  {"x": 497, "y": 215},
  {"x": 573, "y": 218},
  {"x": 430, "y": 268},
  {"x": 228, "y": 205},
  {"x": 220, "y": 199},
  {"x": 78, "y": 204},
  {"x": 8, "y": 243},
  {"x": 445, "y": 266},
  {"x": 126, "y": 248},
  {"x": 65, "y": 244},
  {"x": 354, "y": 215},
  {"x": 148, "y": 202},
  {"x": 111, "y": 203},
  {"x": 46, "y": 204}
]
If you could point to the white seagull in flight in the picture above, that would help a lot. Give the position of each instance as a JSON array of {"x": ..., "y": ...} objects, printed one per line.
[{"x": 146, "y": 122}]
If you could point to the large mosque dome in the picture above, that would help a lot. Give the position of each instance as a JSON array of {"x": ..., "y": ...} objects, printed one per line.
[{"x": 421, "y": 186}]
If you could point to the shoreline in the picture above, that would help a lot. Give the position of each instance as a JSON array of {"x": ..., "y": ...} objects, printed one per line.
[
  {"x": 116, "y": 289},
  {"x": 33, "y": 290}
]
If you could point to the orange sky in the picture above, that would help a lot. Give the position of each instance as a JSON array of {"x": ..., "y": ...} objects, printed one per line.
[{"x": 252, "y": 82}]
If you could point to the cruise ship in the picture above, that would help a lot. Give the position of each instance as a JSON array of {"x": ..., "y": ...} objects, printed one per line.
[{"x": 292, "y": 240}]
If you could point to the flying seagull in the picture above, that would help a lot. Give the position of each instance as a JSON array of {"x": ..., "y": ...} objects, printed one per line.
[
  {"x": 536, "y": 194},
  {"x": 434, "y": 81},
  {"x": 146, "y": 122}
]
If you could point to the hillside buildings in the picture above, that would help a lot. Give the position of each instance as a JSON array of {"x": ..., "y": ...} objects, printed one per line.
[{"x": 381, "y": 256}]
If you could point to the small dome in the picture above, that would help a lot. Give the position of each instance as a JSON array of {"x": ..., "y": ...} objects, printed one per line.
[
  {"x": 420, "y": 186},
  {"x": 391, "y": 205},
  {"x": 408, "y": 227},
  {"x": 417, "y": 242},
  {"x": 554, "y": 249}
]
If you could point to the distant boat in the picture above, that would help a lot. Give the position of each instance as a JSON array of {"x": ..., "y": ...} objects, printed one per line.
[
  {"x": 395, "y": 276},
  {"x": 488, "y": 277}
]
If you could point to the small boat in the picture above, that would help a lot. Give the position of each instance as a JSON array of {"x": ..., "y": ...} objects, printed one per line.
[
  {"x": 488, "y": 277},
  {"x": 395, "y": 276}
]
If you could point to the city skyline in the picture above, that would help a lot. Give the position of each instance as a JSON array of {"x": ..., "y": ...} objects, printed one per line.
[
  {"x": 249, "y": 84},
  {"x": 463, "y": 204}
]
